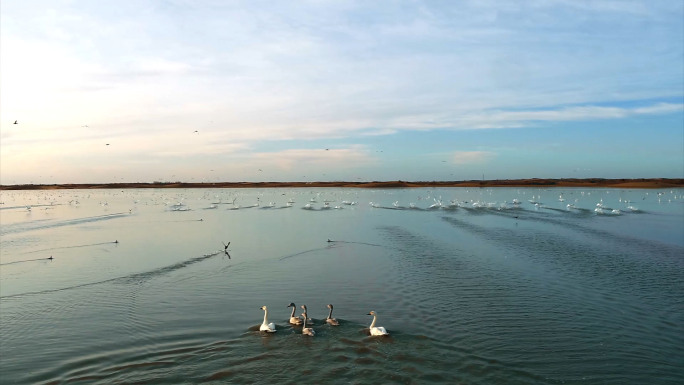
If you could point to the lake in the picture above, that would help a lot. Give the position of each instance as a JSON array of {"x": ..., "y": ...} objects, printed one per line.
[{"x": 475, "y": 286}]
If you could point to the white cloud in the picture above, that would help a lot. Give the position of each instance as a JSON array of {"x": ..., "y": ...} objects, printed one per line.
[
  {"x": 319, "y": 159},
  {"x": 147, "y": 75},
  {"x": 469, "y": 157}
]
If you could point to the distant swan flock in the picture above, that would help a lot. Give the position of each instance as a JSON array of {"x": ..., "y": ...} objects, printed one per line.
[{"x": 306, "y": 323}]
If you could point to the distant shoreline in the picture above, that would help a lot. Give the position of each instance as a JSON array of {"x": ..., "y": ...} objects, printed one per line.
[{"x": 644, "y": 183}]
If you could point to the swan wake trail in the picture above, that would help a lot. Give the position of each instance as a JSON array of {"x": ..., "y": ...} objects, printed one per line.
[
  {"x": 137, "y": 277},
  {"x": 69, "y": 247}
]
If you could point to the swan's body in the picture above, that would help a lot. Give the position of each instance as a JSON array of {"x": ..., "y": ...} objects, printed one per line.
[
  {"x": 305, "y": 330},
  {"x": 330, "y": 320},
  {"x": 265, "y": 326},
  {"x": 294, "y": 320},
  {"x": 376, "y": 330},
  {"x": 309, "y": 320}
]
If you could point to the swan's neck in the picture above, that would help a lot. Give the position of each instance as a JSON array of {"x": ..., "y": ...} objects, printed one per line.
[
  {"x": 372, "y": 325},
  {"x": 305, "y": 317},
  {"x": 330, "y": 314},
  {"x": 293, "y": 310},
  {"x": 265, "y": 317}
]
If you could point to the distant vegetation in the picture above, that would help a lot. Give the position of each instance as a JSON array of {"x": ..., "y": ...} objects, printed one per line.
[{"x": 534, "y": 182}]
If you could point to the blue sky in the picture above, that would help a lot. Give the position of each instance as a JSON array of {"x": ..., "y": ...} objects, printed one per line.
[{"x": 205, "y": 91}]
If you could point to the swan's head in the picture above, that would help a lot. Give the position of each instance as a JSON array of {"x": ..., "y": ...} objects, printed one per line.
[
  {"x": 304, "y": 307},
  {"x": 330, "y": 306},
  {"x": 263, "y": 308},
  {"x": 372, "y": 313},
  {"x": 291, "y": 305}
]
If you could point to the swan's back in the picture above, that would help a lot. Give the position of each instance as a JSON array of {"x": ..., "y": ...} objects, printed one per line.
[
  {"x": 332, "y": 321},
  {"x": 268, "y": 327}
]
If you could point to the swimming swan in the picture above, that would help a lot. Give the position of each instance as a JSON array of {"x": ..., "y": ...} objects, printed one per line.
[
  {"x": 309, "y": 320},
  {"x": 305, "y": 330},
  {"x": 330, "y": 320},
  {"x": 294, "y": 320},
  {"x": 379, "y": 330},
  {"x": 265, "y": 326}
]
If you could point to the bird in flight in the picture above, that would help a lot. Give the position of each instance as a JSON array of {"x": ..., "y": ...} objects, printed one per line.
[{"x": 225, "y": 249}]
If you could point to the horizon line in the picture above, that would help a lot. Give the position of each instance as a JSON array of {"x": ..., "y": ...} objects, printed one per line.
[{"x": 521, "y": 182}]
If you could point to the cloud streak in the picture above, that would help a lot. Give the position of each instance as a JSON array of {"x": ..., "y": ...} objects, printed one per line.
[
  {"x": 251, "y": 75},
  {"x": 469, "y": 157}
]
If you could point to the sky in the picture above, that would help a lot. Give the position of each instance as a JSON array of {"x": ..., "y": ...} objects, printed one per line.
[{"x": 248, "y": 91}]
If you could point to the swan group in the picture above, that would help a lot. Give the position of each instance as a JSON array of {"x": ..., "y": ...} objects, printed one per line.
[{"x": 307, "y": 322}]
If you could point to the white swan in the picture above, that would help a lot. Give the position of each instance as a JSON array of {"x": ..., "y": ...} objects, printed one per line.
[
  {"x": 376, "y": 330},
  {"x": 305, "y": 330},
  {"x": 330, "y": 320},
  {"x": 294, "y": 320},
  {"x": 265, "y": 326}
]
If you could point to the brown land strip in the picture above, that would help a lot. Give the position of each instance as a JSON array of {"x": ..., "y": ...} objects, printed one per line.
[{"x": 652, "y": 183}]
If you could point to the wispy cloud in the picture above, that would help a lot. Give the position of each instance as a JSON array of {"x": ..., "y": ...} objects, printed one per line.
[
  {"x": 468, "y": 157},
  {"x": 243, "y": 74},
  {"x": 332, "y": 159}
]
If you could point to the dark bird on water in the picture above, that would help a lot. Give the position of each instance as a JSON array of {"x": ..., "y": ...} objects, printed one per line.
[
  {"x": 15, "y": 122},
  {"x": 51, "y": 258},
  {"x": 225, "y": 249}
]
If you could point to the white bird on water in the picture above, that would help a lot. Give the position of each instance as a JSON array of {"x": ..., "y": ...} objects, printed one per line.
[
  {"x": 266, "y": 326},
  {"x": 305, "y": 330},
  {"x": 376, "y": 330}
]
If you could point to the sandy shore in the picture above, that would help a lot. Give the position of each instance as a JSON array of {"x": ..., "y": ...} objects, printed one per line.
[{"x": 649, "y": 183}]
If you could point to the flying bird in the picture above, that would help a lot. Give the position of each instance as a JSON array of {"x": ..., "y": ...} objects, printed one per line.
[{"x": 225, "y": 249}]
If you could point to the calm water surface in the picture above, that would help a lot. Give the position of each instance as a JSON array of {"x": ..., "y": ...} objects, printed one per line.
[{"x": 477, "y": 290}]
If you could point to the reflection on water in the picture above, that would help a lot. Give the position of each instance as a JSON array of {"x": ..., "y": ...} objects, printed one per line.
[{"x": 483, "y": 286}]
